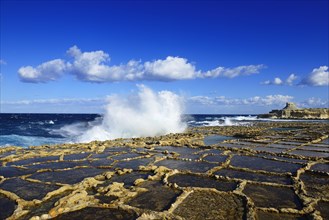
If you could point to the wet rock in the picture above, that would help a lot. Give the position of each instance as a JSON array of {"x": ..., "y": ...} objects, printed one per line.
[
  {"x": 215, "y": 158},
  {"x": 129, "y": 178},
  {"x": 157, "y": 198},
  {"x": 58, "y": 165},
  {"x": 218, "y": 205},
  {"x": 308, "y": 153},
  {"x": 316, "y": 184},
  {"x": 99, "y": 214},
  {"x": 67, "y": 176},
  {"x": 215, "y": 139},
  {"x": 191, "y": 180},
  {"x": 133, "y": 164},
  {"x": 7, "y": 207},
  {"x": 13, "y": 172},
  {"x": 257, "y": 177},
  {"x": 272, "y": 196},
  {"x": 198, "y": 167},
  {"x": 106, "y": 199},
  {"x": 323, "y": 207},
  {"x": 43, "y": 208},
  {"x": 26, "y": 189},
  {"x": 278, "y": 216},
  {"x": 256, "y": 163},
  {"x": 32, "y": 160},
  {"x": 76, "y": 200},
  {"x": 321, "y": 167},
  {"x": 126, "y": 156},
  {"x": 78, "y": 156}
]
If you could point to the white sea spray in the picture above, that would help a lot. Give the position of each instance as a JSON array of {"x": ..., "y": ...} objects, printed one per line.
[{"x": 147, "y": 113}]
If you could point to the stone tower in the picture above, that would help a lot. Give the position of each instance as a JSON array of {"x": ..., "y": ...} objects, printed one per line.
[{"x": 290, "y": 106}]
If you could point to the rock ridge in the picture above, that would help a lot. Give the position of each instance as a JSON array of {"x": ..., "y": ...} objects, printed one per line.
[{"x": 290, "y": 111}]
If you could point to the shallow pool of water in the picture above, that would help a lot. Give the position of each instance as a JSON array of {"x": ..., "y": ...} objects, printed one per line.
[{"x": 215, "y": 139}]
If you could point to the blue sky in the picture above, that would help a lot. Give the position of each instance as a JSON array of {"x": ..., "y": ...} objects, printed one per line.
[{"x": 221, "y": 56}]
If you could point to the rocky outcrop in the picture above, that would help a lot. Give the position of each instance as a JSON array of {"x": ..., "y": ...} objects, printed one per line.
[{"x": 290, "y": 111}]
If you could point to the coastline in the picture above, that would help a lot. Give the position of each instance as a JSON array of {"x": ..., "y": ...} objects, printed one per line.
[
  {"x": 290, "y": 111},
  {"x": 175, "y": 176}
]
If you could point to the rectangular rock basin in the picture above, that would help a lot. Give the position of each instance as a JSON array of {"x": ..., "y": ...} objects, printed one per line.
[
  {"x": 257, "y": 163},
  {"x": 198, "y": 167},
  {"x": 272, "y": 197},
  {"x": 257, "y": 177}
]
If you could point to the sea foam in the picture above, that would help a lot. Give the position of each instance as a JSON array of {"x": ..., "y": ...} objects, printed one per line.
[{"x": 146, "y": 113}]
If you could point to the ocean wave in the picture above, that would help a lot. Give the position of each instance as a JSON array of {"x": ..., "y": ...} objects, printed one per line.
[
  {"x": 224, "y": 121},
  {"x": 47, "y": 122},
  {"x": 75, "y": 129},
  {"x": 26, "y": 141},
  {"x": 146, "y": 113}
]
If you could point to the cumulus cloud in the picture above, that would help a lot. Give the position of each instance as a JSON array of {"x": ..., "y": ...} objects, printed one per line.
[
  {"x": 314, "y": 102},
  {"x": 268, "y": 100},
  {"x": 172, "y": 68},
  {"x": 276, "y": 100},
  {"x": 318, "y": 77},
  {"x": 278, "y": 81},
  {"x": 48, "y": 71},
  {"x": 290, "y": 80},
  {"x": 94, "y": 67}
]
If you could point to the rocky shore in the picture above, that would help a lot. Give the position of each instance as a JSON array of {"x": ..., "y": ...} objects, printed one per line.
[
  {"x": 290, "y": 111},
  {"x": 264, "y": 171}
]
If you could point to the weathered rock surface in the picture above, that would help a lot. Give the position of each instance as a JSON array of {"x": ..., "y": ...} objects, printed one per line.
[
  {"x": 265, "y": 171},
  {"x": 290, "y": 111}
]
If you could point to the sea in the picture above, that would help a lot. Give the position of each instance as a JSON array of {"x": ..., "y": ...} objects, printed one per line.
[{"x": 46, "y": 129}]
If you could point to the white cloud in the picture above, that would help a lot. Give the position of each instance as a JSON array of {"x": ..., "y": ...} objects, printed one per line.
[
  {"x": 203, "y": 100},
  {"x": 55, "y": 101},
  {"x": 172, "y": 68},
  {"x": 2, "y": 62},
  {"x": 233, "y": 72},
  {"x": 93, "y": 67},
  {"x": 273, "y": 100},
  {"x": 267, "y": 82},
  {"x": 74, "y": 51},
  {"x": 269, "y": 100},
  {"x": 290, "y": 80},
  {"x": 278, "y": 81},
  {"x": 64, "y": 105},
  {"x": 48, "y": 71},
  {"x": 318, "y": 77},
  {"x": 314, "y": 103}
]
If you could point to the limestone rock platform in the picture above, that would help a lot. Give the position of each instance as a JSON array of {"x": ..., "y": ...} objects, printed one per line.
[{"x": 265, "y": 171}]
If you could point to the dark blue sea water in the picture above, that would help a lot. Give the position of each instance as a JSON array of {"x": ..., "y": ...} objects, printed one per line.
[{"x": 39, "y": 129}]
